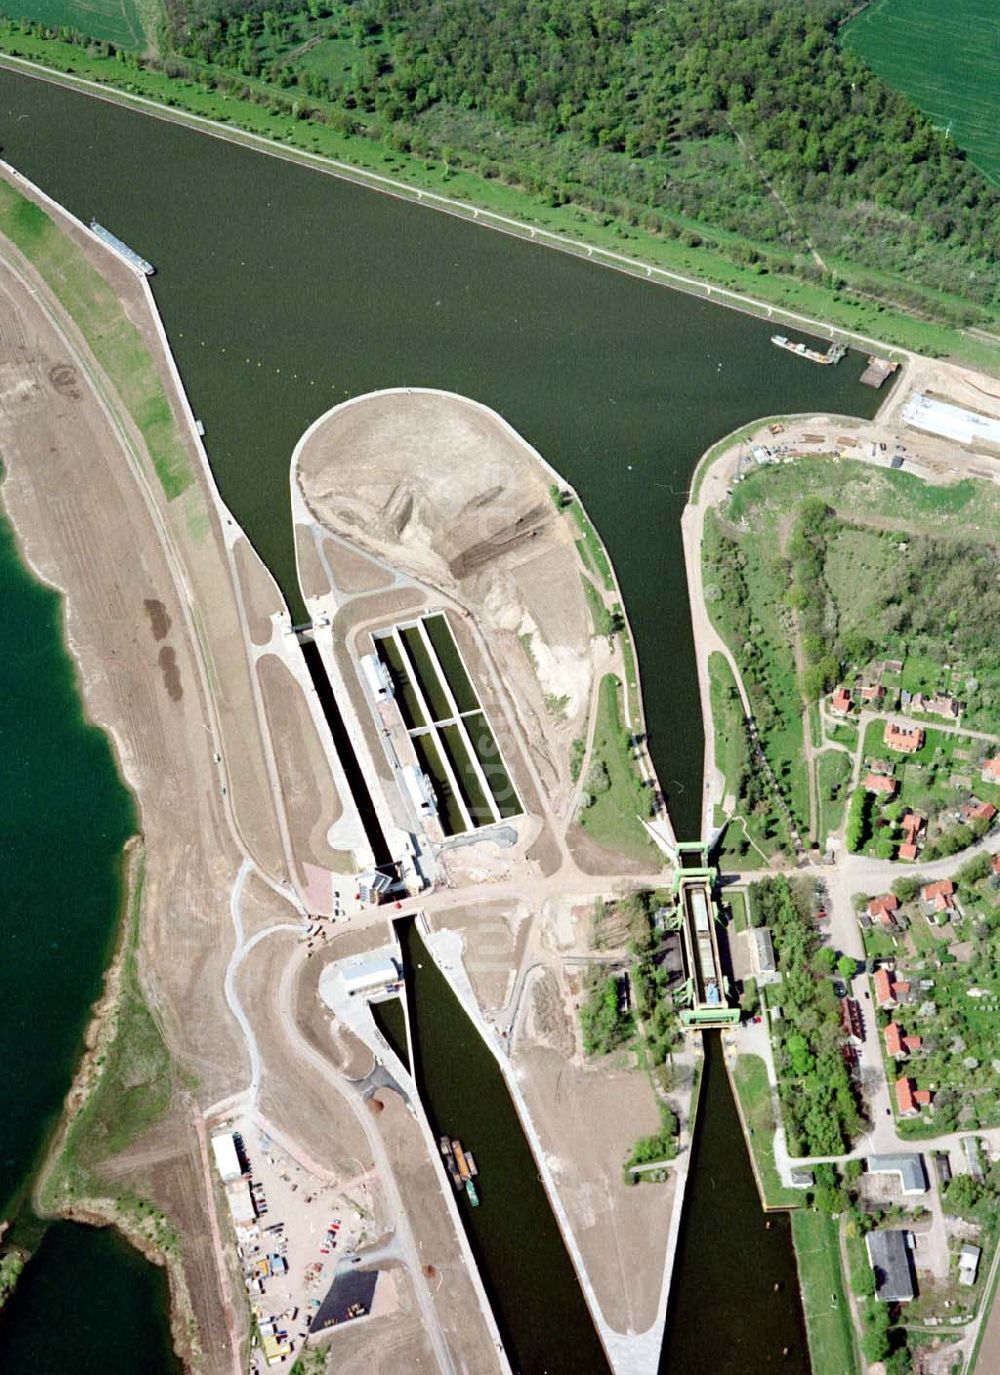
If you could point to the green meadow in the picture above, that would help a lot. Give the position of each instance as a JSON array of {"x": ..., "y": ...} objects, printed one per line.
[{"x": 945, "y": 55}]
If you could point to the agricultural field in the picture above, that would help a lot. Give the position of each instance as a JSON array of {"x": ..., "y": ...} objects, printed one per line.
[
  {"x": 130, "y": 24},
  {"x": 944, "y": 55}
]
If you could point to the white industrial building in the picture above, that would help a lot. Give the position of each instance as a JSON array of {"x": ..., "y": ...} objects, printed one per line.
[
  {"x": 420, "y": 790},
  {"x": 369, "y": 972},
  {"x": 968, "y": 1264},
  {"x": 951, "y": 422},
  {"x": 227, "y": 1162},
  {"x": 376, "y": 677}
]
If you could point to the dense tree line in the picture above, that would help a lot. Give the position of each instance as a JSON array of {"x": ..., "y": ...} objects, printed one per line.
[
  {"x": 821, "y": 1114},
  {"x": 656, "y": 113}
]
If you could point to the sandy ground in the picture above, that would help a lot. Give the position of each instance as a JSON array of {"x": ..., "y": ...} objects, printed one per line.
[
  {"x": 446, "y": 493},
  {"x": 260, "y": 595},
  {"x": 93, "y": 522},
  {"x": 311, "y": 801},
  {"x": 494, "y": 938},
  {"x": 352, "y": 571},
  {"x": 588, "y": 1119}
]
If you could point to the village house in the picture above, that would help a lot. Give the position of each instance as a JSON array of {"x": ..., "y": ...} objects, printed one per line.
[
  {"x": 873, "y": 694},
  {"x": 880, "y": 784},
  {"x": 882, "y": 909},
  {"x": 910, "y": 1099},
  {"x": 978, "y": 811},
  {"x": 941, "y": 704},
  {"x": 938, "y": 899},
  {"x": 898, "y": 1044},
  {"x": 889, "y": 991},
  {"x": 913, "y": 826},
  {"x": 841, "y": 703},
  {"x": 851, "y": 1023},
  {"x": 991, "y": 771},
  {"x": 904, "y": 739}
]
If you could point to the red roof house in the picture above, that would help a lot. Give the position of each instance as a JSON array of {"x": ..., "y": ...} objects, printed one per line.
[
  {"x": 881, "y": 908},
  {"x": 939, "y": 897},
  {"x": 910, "y": 1100},
  {"x": 979, "y": 811},
  {"x": 884, "y": 995},
  {"x": 841, "y": 702},
  {"x": 878, "y": 783},
  {"x": 897, "y": 1043},
  {"x": 991, "y": 770},
  {"x": 904, "y": 739}
]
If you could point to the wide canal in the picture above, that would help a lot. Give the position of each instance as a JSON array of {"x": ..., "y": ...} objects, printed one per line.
[{"x": 285, "y": 291}]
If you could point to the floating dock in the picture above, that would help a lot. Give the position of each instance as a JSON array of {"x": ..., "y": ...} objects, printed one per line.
[
  {"x": 877, "y": 371},
  {"x": 833, "y": 354},
  {"x": 127, "y": 255}
]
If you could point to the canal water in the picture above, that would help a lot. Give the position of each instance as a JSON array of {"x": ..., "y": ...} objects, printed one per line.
[
  {"x": 284, "y": 292},
  {"x": 527, "y": 1272}
]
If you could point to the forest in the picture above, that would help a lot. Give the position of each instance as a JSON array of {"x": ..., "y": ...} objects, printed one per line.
[{"x": 745, "y": 125}]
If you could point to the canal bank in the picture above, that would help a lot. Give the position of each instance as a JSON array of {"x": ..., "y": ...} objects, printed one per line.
[
  {"x": 265, "y": 269},
  {"x": 575, "y": 318}
]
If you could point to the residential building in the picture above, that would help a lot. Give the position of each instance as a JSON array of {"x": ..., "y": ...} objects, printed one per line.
[
  {"x": 978, "y": 811},
  {"x": 898, "y": 1044},
  {"x": 878, "y": 783},
  {"x": 938, "y": 899},
  {"x": 889, "y": 990},
  {"x": 889, "y": 1258},
  {"x": 913, "y": 827},
  {"x": 903, "y": 739},
  {"x": 841, "y": 702},
  {"x": 941, "y": 704},
  {"x": 873, "y": 694},
  {"x": 882, "y": 909},
  {"x": 991, "y": 771},
  {"x": 851, "y": 1023},
  {"x": 910, "y": 1099}
]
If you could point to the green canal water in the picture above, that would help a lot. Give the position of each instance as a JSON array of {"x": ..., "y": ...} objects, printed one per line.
[
  {"x": 284, "y": 292},
  {"x": 86, "y": 1302}
]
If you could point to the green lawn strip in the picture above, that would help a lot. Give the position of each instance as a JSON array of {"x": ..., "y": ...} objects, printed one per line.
[
  {"x": 617, "y": 796},
  {"x": 731, "y": 753},
  {"x": 279, "y": 117},
  {"x": 754, "y": 1097},
  {"x": 824, "y": 1299},
  {"x": 833, "y": 771},
  {"x": 595, "y": 548},
  {"x": 599, "y": 614},
  {"x": 132, "y": 1091},
  {"x": 738, "y": 906},
  {"x": 636, "y": 715},
  {"x": 115, "y": 341}
]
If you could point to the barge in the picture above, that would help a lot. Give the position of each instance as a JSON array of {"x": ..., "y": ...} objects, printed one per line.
[
  {"x": 833, "y": 354},
  {"x": 127, "y": 255},
  {"x": 461, "y": 1167}
]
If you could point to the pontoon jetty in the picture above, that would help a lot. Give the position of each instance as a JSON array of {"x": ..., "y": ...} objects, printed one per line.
[{"x": 127, "y": 254}]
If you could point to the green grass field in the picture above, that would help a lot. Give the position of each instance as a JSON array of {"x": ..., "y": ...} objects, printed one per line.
[
  {"x": 824, "y": 1300},
  {"x": 117, "y": 344},
  {"x": 944, "y": 55},
  {"x": 753, "y": 1092},
  {"x": 126, "y": 23},
  {"x": 612, "y": 818}
]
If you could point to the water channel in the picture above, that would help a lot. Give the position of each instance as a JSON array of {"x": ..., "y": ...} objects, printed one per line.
[{"x": 285, "y": 291}]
